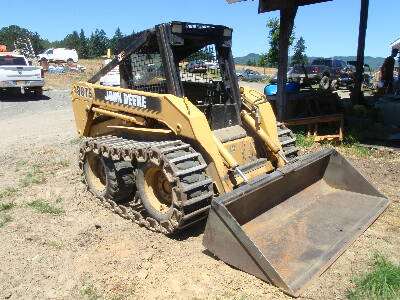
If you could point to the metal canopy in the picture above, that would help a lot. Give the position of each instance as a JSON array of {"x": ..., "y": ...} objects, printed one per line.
[
  {"x": 396, "y": 44},
  {"x": 271, "y": 5}
]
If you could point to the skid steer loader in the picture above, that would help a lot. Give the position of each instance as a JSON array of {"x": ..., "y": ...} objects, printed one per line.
[{"x": 179, "y": 142}]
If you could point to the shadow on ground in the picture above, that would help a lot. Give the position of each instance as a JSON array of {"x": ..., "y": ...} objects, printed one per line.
[
  {"x": 7, "y": 97},
  {"x": 192, "y": 231}
]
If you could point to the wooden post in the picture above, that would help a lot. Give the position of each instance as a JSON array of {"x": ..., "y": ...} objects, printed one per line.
[
  {"x": 286, "y": 27},
  {"x": 360, "y": 51}
]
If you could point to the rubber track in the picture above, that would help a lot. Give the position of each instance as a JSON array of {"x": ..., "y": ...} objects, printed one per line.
[
  {"x": 192, "y": 191},
  {"x": 288, "y": 142}
]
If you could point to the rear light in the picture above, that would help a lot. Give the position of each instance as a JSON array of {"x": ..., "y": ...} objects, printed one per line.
[
  {"x": 42, "y": 73},
  {"x": 316, "y": 69}
]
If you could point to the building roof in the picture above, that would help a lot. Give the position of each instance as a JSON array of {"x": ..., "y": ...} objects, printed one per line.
[{"x": 270, "y": 5}]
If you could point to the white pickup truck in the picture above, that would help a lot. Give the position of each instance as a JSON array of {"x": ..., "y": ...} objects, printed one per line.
[{"x": 16, "y": 74}]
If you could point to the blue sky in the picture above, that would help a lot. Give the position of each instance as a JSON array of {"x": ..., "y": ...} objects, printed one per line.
[{"x": 329, "y": 28}]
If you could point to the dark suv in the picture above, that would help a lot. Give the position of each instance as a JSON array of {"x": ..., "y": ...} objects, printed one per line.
[{"x": 322, "y": 71}]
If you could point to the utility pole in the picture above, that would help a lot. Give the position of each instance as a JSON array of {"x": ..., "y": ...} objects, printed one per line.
[{"x": 360, "y": 51}]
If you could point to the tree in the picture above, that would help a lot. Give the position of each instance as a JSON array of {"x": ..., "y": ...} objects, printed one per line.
[
  {"x": 251, "y": 62},
  {"x": 263, "y": 60},
  {"x": 114, "y": 41},
  {"x": 10, "y": 34},
  {"x": 98, "y": 43},
  {"x": 272, "y": 56},
  {"x": 72, "y": 40},
  {"x": 83, "y": 49},
  {"x": 299, "y": 57},
  {"x": 206, "y": 53}
]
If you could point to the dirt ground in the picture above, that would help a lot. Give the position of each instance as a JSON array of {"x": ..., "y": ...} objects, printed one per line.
[{"x": 88, "y": 252}]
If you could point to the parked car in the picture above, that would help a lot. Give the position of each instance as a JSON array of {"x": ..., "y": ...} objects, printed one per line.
[
  {"x": 327, "y": 71},
  {"x": 347, "y": 77},
  {"x": 16, "y": 73},
  {"x": 322, "y": 71},
  {"x": 212, "y": 65},
  {"x": 59, "y": 54},
  {"x": 196, "y": 66},
  {"x": 250, "y": 75}
]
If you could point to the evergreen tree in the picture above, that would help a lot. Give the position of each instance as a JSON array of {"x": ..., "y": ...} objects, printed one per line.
[
  {"x": 83, "y": 50},
  {"x": 263, "y": 62},
  {"x": 251, "y": 63},
  {"x": 114, "y": 41},
  {"x": 272, "y": 56},
  {"x": 206, "y": 54},
  {"x": 299, "y": 57},
  {"x": 72, "y": 41},
  {"x": 98, "y": 43}
]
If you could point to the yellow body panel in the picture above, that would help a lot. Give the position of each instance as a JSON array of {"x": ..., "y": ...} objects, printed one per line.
[
  {"x": 266, "y": 115},
  {"x": 182, "y": 119},
  {"x": 243, "y": 150}
]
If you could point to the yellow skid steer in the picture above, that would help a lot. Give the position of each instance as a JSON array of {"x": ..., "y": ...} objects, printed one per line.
[{"x": 178, "y": 142}]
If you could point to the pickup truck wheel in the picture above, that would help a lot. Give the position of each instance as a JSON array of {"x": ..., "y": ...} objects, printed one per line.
[
  {"x": 240, "y": 78},
  {"x": 14, "y": 91},
  {"x": 34, "y": 92},
  {"x": 325, "y": 83},
  {"x": 38, "y": 93},
  {"x": 334, "y": 85},
  {"x": 70, "y": 61}
]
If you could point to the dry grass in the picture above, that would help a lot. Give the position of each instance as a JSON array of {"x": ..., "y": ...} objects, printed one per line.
[
  {"x": 262, "y": 70},
  {"x": 94, "y": 65},
  {"x": 67, "y": 79}
]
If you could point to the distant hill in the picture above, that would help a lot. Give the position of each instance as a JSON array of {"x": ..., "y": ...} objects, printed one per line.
[
  {"x": 374, "y": 62},
  {"x": 244, "y": 59}
]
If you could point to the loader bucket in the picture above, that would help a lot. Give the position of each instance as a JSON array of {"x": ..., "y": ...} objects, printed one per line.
[{"x": 289, "y": 226}]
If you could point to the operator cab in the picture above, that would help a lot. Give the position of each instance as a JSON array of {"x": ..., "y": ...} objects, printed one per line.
[{"x": 187, "y": 60}]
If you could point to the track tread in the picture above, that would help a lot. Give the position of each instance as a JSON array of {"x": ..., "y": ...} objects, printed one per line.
[
  {"x": 288, "y": 142},
  {"x": 193, "y": 191}
]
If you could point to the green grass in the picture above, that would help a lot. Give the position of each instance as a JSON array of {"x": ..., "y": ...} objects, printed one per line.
[
  {"x": 6, "y": 206},
  {"x": 4, "y": 219},
  {"x": 302, "y": 140},
  {"x": 382, "y": 282},
  {"x": 54, "y": 244},
  {"x": 75, "y": 141},
  {"x": 64, "y": 163},
  {"x": 351, "y": 144},
  {"x": 232, "y": 296},
  {"x": 8, "y": 192},
  {"x": 90, "y": 293},
  {"x": 33, "y": 176},
  {"x": 45, "y": 208},
  {"x": 19, "y": 164},
  {"x": 360, "y": 151}
]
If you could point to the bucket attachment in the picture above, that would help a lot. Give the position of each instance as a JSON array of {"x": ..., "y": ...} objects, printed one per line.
[{"x": 289, "y": 226}]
